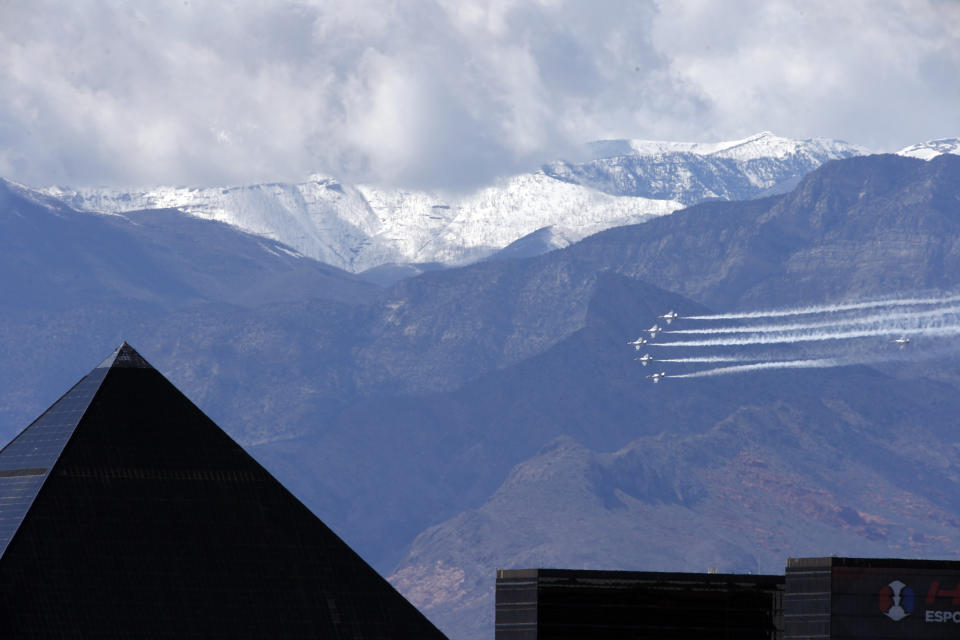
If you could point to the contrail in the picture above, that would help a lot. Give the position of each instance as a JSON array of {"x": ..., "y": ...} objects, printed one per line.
[
  {"x": 806, "y": 326},
  {"x": 916, "y": 317},
  {"x": 833, "y": 308},
  {"x": 820, "y": 363},
  {"x": 948, "y": 330},
  {"x": 709, "y": 359}
]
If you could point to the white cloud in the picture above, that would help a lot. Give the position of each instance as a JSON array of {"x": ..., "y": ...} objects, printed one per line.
[
  {"x": 873, "y": 72},
  {"x": 447, "y": 92}
]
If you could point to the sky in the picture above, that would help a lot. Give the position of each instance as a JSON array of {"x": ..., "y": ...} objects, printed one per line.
[{"x": 449, "y": 94}]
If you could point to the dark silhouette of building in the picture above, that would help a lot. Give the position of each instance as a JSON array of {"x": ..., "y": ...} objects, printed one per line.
[
  {"x": 871, "y": 598},
  {"x": 126, "y": 513},
  {"x": 555, "y": 604},
  {"x": 830, "y": 598}
]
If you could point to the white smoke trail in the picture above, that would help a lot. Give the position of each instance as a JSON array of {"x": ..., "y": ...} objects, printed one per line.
[
  {"x": 820, "y": 363},
  {"x": 791, "y": 338},
  {"x": 833, "y": 308},
  {"x": 711, "y": 359},
  {"x": 875, "y": 319},
  {"x": 912, "y": 317}
]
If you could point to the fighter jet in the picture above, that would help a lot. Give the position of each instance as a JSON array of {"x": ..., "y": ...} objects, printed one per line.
[
  {"x": 669, "y": 316},
  {"x": 654, "y": 330},
  {"x": 902, "y": 341},
  {"x": 644, "y": 359},
  {"x": 656, "y": 377},
  {"x": 639, "y": 342}
]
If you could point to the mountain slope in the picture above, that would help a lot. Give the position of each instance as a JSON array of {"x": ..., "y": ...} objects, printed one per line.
[
  {"x": 772, "y": 479},
  {"x": 54, "y": 255},
  {"x": 76, "y": 284},
  {"x": 867, "y": 226},
  {"x": 887, "y": 433},
  {"x": 363, "y": 226},
  {"x": 395, "y": 461},
  {"x": 694, "y": 172},
  {"x": 408, "y": 409}
]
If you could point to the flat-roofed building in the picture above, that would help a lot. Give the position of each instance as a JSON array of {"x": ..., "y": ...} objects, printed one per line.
[
  {"x": 555, "y": 604},
  {"x": 871, "y": 598}
]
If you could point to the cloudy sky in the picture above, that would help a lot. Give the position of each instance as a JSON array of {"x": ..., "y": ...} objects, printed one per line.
[{"x": 449, "y": 93}]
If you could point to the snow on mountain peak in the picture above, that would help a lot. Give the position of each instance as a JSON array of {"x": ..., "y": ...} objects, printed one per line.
[
  {"x": 359, "y": 227},
  {"x": 760, "y": 145},
  {"x": 50, "y": 201},
  {"x": 932, "y": 148}
]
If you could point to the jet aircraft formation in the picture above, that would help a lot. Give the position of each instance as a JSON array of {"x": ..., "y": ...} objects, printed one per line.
[
  {"x": 810, "y": 337},
  {"x": 646, "y": 358}
]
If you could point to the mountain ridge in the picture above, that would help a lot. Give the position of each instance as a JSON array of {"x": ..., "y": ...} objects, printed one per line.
[
  {"x": 404, "y": 411},
  {"x": 360, "y": 227},
  {"x": 733, "y": 250}
]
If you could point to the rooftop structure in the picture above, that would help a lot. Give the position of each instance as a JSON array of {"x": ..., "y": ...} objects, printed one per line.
[
  {"x": 831, "y": 598},
  {"x": 562, "y": 604},
  {"x": 871, "y": 598}
]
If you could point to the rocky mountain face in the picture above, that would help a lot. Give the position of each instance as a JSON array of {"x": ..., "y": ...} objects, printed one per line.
[
  {"x": 362, "y": 227},
  {"x": 55, "y": 255},
  {"x": 850, "y": 460},
  {"x": 835, "y": 469},
  {"x": 695, "y": 172},
  {"x": 862, "y": 227},
  {"x": 493, "y": 416},
  {"x": 76, "y": 282}
]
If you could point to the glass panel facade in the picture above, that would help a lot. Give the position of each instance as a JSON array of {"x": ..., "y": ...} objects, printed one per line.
[
  {"x": 569, "y": 604},
  {"x": 871, "y": 598},
  {"x": 153, "y": 523},
  {"x": 25, "y": 461}
]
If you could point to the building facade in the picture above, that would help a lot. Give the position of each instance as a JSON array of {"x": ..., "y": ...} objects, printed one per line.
[
  {"x": 555, "y": 604},
  {"x": 830, "y": 598},
  {"x": 126, "y": 513},
  {"x": 871, "y": 598}
]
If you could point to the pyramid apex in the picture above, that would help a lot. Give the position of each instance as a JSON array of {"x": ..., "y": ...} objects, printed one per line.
[
  {"x": 188, "y": 535},
  {"x": 124, "y": 356}
]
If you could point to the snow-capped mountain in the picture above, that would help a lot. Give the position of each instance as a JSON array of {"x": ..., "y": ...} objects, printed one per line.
[
  {"x": 760, "y": 145},
  {"x": 691, "y": 172},
  {"x": 931, "y": 149},
  {"x": 359, "y": 227}
]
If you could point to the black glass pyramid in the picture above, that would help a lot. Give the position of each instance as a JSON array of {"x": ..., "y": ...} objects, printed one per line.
[{"x": 126, "y": 513}]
